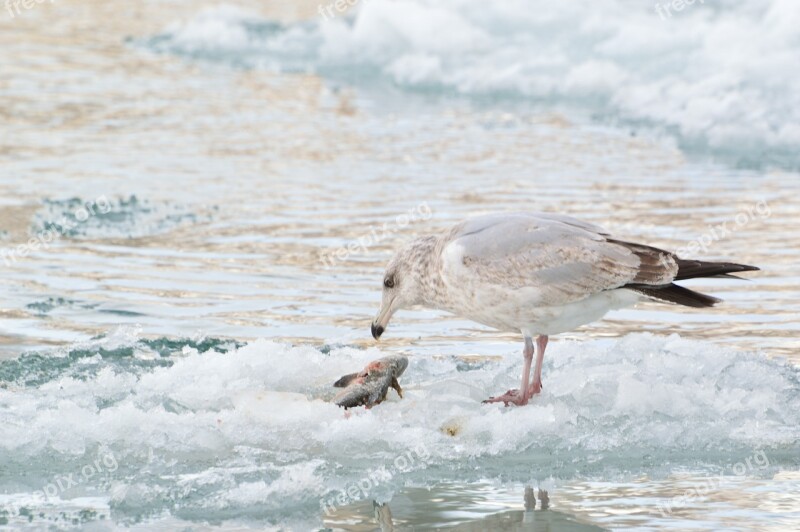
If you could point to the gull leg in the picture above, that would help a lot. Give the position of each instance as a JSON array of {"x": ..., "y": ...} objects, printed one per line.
[
  {"x": 536, "y": 385},
  {"x": 518, "y": 397}
]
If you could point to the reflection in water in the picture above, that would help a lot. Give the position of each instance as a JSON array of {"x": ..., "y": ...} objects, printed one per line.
[
  {"x": 383, "y": 515},
  {"x": 245, "y": 182},
  {"x": 457, "y": 509},
  {"x": 737, "y": 503}
]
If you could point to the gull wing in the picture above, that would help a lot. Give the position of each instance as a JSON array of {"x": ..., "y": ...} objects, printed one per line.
[{"x": 556, "y": 259}]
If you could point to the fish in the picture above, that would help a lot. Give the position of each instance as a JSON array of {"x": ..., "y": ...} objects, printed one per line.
[{"x": 369, "y": 386}]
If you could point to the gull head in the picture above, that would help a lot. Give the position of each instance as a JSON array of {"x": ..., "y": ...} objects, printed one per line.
[{"x": 404, "y": 282}]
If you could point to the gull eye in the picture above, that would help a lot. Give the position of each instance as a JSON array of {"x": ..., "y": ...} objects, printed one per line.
[{"x": 389, "y": 282}]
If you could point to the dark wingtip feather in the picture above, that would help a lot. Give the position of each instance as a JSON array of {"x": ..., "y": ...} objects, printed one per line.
[
  {"x": 691, "y": 269},
  {"x": 677, "y": 294},
  {"x": 730, "y": 276}
]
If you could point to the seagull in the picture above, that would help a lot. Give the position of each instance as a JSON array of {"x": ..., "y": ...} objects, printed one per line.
[{"x": 537, "y": 274}]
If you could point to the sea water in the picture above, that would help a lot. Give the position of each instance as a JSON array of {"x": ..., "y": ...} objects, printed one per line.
[{"x": 196, "y": 213}]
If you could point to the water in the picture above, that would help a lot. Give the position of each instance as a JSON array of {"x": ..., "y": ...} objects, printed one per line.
[
  {"x": 190, "y": 176},
  {"x": 717, "y": 79}
]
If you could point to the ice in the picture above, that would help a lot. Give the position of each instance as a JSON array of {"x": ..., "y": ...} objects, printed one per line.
[
  {"x": 252, "y": 426},
  {"x": 719, "y": 78},
  {"x": 217, "y": 27}
]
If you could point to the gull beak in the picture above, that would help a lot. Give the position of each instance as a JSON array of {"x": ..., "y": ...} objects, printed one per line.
[
  {"x": 377, "y": 331},
  {"x": 382, "y": 320}
]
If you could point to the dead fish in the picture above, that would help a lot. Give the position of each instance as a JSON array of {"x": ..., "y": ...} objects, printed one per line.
[{"x": 369, "y": 386}]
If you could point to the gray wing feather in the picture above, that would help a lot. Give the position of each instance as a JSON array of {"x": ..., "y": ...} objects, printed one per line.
[{"x": 564, "y": 259}]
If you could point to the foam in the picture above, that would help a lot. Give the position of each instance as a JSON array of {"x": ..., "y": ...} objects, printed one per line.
[
  {"x": 252, "y": 426},
  {"x": 718, "y": 78}
]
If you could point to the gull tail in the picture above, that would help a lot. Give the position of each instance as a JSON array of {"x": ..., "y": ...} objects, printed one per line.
[{"x": 691, "y": 269}]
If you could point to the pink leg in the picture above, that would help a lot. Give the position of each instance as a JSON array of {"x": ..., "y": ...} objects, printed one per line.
[
  {"x": 536, "y": 385},
  {"x": 518, "y": 397}
]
